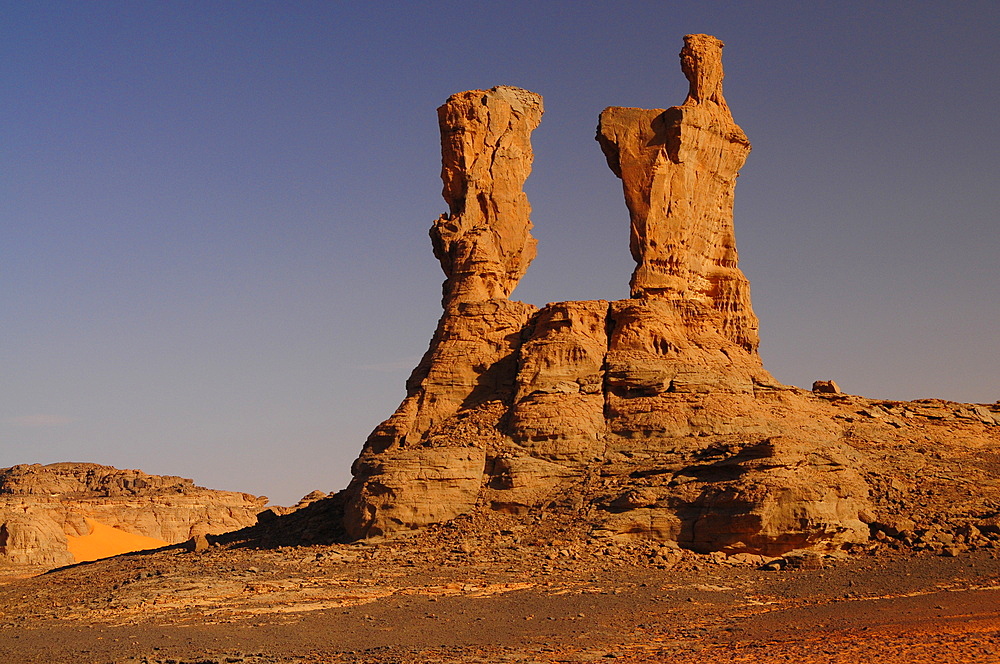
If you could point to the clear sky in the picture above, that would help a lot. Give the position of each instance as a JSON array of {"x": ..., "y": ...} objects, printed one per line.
[{"x": 214, "y": 258}]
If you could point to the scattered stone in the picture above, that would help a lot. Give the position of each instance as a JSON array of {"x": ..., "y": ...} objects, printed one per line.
[
  {"x": 984, "y": 415},
  {"x": 197, "y": 544},
  {"x": 990, "y": 525},
  {"x": 802, "y": 559}
]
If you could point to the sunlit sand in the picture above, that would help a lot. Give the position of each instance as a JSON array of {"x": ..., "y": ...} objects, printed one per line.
[{"x": 105, "y": 541}]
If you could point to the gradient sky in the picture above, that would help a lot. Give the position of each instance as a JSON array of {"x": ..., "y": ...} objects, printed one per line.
[{"x": 214, "y": 258}]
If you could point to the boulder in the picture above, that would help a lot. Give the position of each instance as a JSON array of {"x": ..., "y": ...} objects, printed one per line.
[{"x": 825, "y": 387}]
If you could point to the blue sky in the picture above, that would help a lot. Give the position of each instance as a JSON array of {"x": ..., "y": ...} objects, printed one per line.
[{"x": 214, "y": 258}]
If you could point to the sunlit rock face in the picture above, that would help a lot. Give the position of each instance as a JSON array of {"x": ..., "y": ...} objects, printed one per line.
[
  {"x": 42, "y": 507},
  {"x": 484, "y": 241},
  {"x": 413, "y": 470},
  {"x": 650, "y": 417},
  {"x": 678, "y": 169}
]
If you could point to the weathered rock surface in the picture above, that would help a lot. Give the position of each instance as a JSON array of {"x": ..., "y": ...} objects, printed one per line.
[
  {"x": 484, "y": 246},
  {"x": 484, "y": 241},
  {"x": 41, "y": 506},
  {"x": 647, "y": 418},
  {"x": 678, "y": 169},
  {"x": 826, "y": 387}
]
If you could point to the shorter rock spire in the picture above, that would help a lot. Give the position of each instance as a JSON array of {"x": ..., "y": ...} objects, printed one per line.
[{"x": 484, "y": 242}]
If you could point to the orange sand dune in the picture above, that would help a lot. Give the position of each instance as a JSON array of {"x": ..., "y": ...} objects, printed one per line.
[{"x": 105, "y": 541}]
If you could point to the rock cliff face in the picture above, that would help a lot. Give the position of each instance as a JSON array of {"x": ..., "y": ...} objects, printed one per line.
[
  {"x": 651, "y": 417},
  {"x": 41, "y": 506}
]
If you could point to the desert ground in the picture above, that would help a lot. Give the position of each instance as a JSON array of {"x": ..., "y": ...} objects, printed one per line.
[{"x": 503, "y": 592}]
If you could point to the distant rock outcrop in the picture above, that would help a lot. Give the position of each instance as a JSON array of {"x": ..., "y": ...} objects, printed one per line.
[
  {"x": 41, "y": 507},
  {"x": 650, "y": 417}
]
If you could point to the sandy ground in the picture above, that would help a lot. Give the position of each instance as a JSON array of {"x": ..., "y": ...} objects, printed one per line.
[
  {"x": 448, "y": 601},
  {"x": 103, "y": 541}
]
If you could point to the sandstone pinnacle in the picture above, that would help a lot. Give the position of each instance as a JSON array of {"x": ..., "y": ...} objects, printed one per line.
[
  {"x": 678, "y": 169},
  {"x": 484, "y": 241},
  {"x": 484, "y": 245}
]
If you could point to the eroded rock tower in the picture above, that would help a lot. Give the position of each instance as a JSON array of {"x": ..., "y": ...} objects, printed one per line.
[{"x": 650, "y": 417}]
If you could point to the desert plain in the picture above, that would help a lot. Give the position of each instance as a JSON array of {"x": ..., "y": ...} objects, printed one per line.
[{"x": 499, "y": 591}]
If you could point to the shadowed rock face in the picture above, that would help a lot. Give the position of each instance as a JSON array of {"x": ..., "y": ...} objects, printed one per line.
[
  {"x": 650, "y": 417},
  {"x": 41, "y": 506}
]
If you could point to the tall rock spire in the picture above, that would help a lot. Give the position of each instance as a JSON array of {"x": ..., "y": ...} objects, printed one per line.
[
  {"x": 678, "y": 168},
  {"x": 413, "y": 470}
]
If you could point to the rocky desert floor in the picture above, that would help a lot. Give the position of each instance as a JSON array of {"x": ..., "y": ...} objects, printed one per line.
[{"x": 520, "y": 594}]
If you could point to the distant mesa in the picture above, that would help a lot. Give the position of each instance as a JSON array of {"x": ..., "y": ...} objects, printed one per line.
[
  {"x": 62, "y": 513},
  {"x": 651, "y": 417}
]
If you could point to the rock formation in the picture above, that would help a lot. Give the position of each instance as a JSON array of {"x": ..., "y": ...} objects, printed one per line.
[
  {"x": 678, "y": 169},
  {"x": 650, "y": 417},
  {"x": 42, "y": 506},
  {"x": 484, "y": 246},
  {"x": 484, "y": 242}
]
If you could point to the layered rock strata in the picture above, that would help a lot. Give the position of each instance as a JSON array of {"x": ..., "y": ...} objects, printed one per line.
[
  {"x": 41, "y": 507},
  {"x": 650, "y": 417}
]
